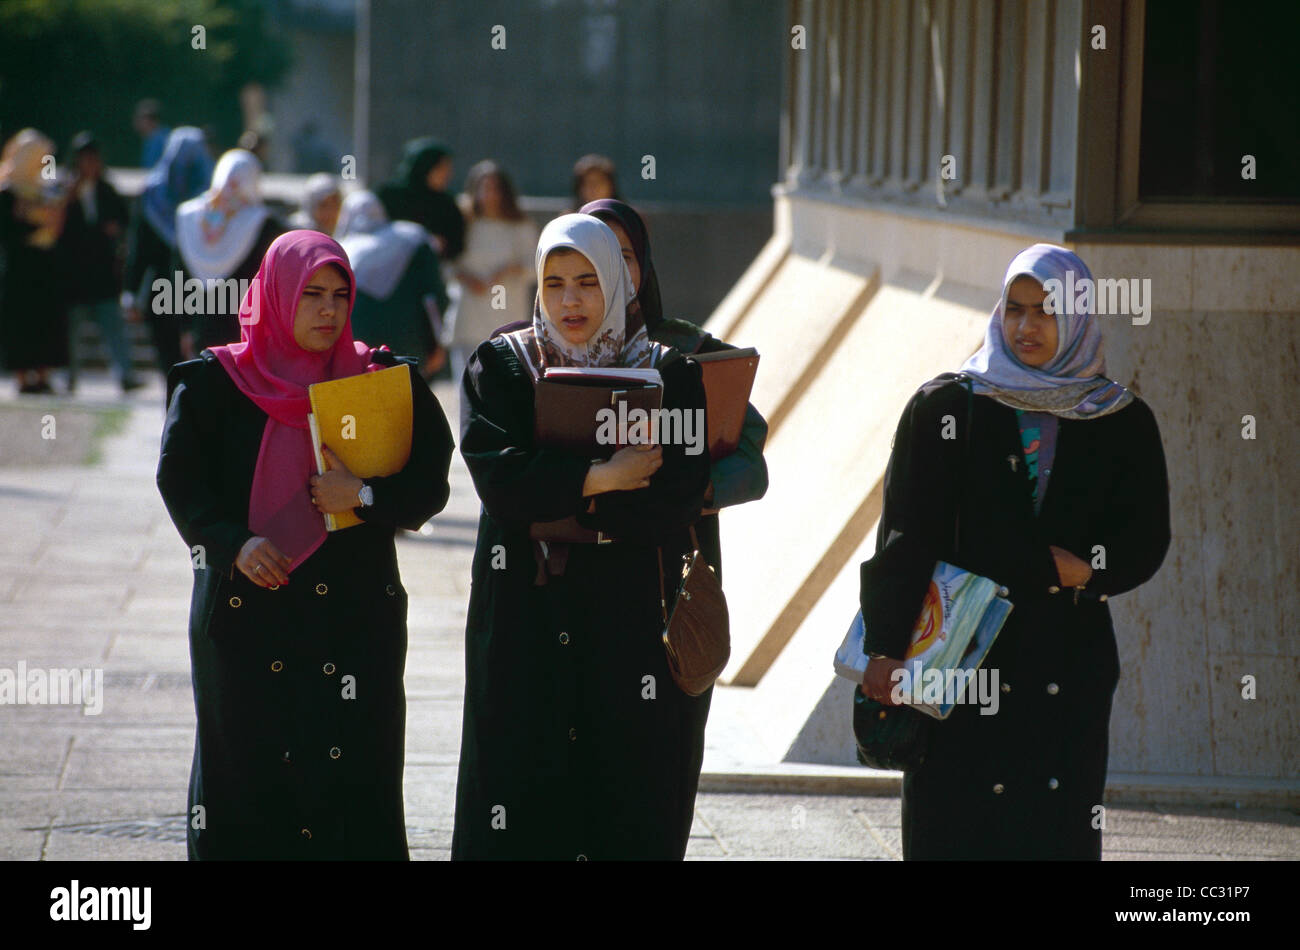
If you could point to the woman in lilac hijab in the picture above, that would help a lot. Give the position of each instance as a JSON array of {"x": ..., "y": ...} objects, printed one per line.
[
  {"x": 1058, "y": 475},
  {"x": 297, "y": 636}
]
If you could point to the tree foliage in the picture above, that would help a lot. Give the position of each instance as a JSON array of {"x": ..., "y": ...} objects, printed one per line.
[{"x": 66, "y": 65}]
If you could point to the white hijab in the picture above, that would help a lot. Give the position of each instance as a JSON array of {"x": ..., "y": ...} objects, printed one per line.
[
  {"x": 609, "y": 345},
  {"x": 315, "y": 189},
  {"x": 379, "y": 250},
  {"x": 218, "y": 229}
]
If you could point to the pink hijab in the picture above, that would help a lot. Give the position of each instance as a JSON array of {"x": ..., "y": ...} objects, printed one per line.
[{"x": 272, "y": 370}]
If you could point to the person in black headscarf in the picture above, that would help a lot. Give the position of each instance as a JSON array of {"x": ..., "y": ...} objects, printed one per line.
[
  {"x": 740, "y": 476},
  {"x": 418, "y": 192}
]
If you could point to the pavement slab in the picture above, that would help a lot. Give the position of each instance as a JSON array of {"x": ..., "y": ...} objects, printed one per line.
[{"x": 92, "y": 575}]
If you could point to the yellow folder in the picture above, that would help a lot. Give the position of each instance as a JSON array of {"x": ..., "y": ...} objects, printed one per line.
[{"x": 366, "y": 421}]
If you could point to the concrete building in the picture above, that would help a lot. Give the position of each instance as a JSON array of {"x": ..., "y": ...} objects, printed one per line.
[
  {"x": 684, "y": 97},
  {"x": 924, "y": 144}
]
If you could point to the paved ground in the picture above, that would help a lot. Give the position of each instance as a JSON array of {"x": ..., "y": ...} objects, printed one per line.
[{"x": 93, "y": 575}]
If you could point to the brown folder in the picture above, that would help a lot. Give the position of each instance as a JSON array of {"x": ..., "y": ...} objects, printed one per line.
[
  {"x": 570, "y": 410},
  {"x": 568, "y": 415},
  {"x": 728, "y": 381}
]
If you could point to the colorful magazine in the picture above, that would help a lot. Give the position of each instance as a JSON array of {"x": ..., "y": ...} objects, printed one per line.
[{"x": 961, "y": 615}]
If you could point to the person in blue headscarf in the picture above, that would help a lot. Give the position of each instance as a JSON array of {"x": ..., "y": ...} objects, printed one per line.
[
  {"x": 183, "y": 172},
  {"x": 1033, "y": 468}
]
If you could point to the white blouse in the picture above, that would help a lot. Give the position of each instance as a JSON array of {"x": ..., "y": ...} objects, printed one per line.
[{"x": 491, "y": 244}]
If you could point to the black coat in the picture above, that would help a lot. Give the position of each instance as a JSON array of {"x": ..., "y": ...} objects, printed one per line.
[
  {"x": 149, "y": 257},
  {"x": 576, "y": 741},
  {"x": 92, "y": 254},
  {"x": 286, "y": 764},
  {"x": 33, "y": 295},
  {"x": 1024, "y": 782}
]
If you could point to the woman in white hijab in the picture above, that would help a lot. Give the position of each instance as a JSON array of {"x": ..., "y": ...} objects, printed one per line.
[
  {"x": 400, "y": 293},
  {"x": 321, "y": 201},
  {"x": 576, "y": 741},
  {"x": 222, "y": 235}
]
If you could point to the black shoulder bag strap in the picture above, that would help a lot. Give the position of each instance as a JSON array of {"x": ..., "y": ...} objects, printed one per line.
[{"x": 965, "y": 463}]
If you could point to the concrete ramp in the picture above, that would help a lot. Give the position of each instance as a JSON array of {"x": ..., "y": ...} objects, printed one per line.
[
  {"x": 827, "y": 460},
  {"x": 797, "y": 320}
]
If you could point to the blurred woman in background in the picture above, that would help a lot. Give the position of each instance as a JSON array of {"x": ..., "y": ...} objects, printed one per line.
[
  {"x": 400, "y": 293},
  {"x": 33, "y": 304},
  {"x": 322, "y": 200},
  {"x": 184, "y": 171},
  {"x": 495, "y": 273},
  {"x": 594, "y": 178},
  {"x": 223, "y": 235},
  {"x": 418, "y": 192}
]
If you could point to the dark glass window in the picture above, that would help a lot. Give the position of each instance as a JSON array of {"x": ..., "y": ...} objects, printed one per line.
[{"x": 1220, "y": 80}]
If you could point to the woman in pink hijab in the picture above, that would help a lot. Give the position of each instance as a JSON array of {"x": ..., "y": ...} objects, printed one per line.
[{"x": 297, "y": 636}]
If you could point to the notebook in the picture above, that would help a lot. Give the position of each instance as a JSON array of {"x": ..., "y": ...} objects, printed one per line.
[
  {"x": 366, "y": 421},
  {"x": 728, "y": 381}
]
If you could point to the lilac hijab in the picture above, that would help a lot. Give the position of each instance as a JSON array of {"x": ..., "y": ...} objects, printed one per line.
[{"x": 1073, "y": 384}]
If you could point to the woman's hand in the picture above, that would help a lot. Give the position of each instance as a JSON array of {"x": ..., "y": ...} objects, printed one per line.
[
  {"x": 472, "y": 283},
  {"x": 628, "y": 469},
  {"x": 336, "y": 490},
  {"x": 263, "y": 563},
  {"x": 435, "y": 361},
  {"x": 504, "y": 274},
  {"x": 878, "y": 682},
  {"x": 1073, "y": 571}
]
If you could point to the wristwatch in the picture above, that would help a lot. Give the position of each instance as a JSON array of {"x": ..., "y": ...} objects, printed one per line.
[{"x": 366, "y": 495}]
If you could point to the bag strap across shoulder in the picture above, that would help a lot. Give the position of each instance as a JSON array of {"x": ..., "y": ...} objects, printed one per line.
[
  {"x": 965, "y": 459},
  {"x": 514, "y": 354}
]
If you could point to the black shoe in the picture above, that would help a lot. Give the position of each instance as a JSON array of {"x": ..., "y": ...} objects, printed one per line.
[{"x": 131, "y": 384}]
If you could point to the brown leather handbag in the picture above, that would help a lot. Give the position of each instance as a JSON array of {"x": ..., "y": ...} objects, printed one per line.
[{"x": 697, "y": 636}]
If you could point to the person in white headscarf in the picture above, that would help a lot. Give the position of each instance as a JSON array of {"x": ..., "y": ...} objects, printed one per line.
[
  {"x": 400, "y": 293},
  {"x": 576, "y": 741},
  {"x": 1035, "y": 469},
  {"x": 322, "y": 200},
  {"x": 222, "y": 235}
]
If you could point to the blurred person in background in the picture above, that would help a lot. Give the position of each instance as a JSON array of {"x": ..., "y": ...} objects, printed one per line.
[
  {"x": 153, "y": 134},
  {"x": 500, "y": 241},
  {"x": 418, "y": 192},
  {"x": 594, "y": 178},
  {"x": 322, "y": 199},
  {"x": 256, "y": 142},
  {"x": 311, "y": 153},
  {"x": 183, "y": 172},
  {"x": 33, "y": 301},
  {"x": 92, "y": 240},
  {"x": 400, "y": 293},
  {"x": 222, "y": 235}
]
